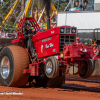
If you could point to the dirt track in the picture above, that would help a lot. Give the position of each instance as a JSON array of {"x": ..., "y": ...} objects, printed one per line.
[{"x": 71, "y": 90}]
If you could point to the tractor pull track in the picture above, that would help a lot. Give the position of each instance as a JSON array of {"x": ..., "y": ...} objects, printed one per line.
[{"x": 83, "y": 80}]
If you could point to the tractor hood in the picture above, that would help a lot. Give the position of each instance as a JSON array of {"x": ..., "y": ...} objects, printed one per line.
[{"x": 45, "y": 34}]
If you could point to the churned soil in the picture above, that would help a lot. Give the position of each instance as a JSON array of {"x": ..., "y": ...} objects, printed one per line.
[{"x": 73, "y": 89}]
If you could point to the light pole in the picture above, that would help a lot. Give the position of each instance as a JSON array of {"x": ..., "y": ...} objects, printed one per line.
[
  {"x": 72, "y": 3},
  {"x": 58, "y": 6},
  {"x": 23, "y": 6}
]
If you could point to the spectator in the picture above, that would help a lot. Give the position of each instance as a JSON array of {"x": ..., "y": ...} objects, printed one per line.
[
  {"x": 77, "y": 40},
  {"x": 95, "y": 50},
  {"x": 1, "y": 2}
]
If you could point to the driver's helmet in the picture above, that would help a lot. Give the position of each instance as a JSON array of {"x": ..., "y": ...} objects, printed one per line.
[{"x": 27, "y": 26}]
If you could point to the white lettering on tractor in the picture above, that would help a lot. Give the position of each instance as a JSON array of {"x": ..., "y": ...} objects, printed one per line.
[
  {"x": 52, "y": 32},
  {"x": 41, "y": 48},
  {"x": 49, "y": 46},
  {"x": 54, "y": 50}
]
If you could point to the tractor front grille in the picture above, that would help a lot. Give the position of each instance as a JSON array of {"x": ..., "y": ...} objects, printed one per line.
[{"x": 65, "y": 40}]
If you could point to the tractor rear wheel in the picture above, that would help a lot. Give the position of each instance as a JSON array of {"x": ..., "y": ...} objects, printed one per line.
[
  {"x": 86, "y": 69},
  {"x": 13, "y": 60}
]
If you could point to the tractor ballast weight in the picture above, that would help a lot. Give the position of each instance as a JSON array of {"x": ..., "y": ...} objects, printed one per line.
[{"x": 55, "y": 51}]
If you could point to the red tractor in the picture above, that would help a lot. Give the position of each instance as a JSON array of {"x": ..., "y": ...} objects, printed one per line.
[{"x": 44, "y": 56}]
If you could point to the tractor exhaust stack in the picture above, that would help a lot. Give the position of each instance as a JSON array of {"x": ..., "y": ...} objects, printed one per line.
[{"x": 47, "y": 3}]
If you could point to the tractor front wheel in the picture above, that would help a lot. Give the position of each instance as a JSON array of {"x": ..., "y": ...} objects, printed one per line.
[
  {"x": 50, "y": 78},
  {"x": 51, "y": 67}
]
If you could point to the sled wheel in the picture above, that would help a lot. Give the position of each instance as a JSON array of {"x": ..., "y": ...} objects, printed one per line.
[
  {"x": 13, "y": 60},
  {"x": 51, "y": 67},
  {"x": 86, "y": 69},
  {"x": 44, "y": 81}
]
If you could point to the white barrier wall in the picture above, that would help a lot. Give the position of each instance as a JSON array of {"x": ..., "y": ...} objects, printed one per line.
[{"x": 81, "y": 20}]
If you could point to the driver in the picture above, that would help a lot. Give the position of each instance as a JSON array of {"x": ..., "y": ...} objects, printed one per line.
[
  {"x": 28, "y": 30},
  {"x": 28, "y": 35}
]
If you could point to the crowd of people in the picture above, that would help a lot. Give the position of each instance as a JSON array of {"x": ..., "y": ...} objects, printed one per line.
[{"x": 8, "y": 34}]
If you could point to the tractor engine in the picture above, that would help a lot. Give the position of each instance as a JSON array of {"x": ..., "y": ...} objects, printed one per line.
[{"x": 52, "y": 42}]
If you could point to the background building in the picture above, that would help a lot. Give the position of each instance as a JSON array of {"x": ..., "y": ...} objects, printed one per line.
[{"x": 96, "y": 4}]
